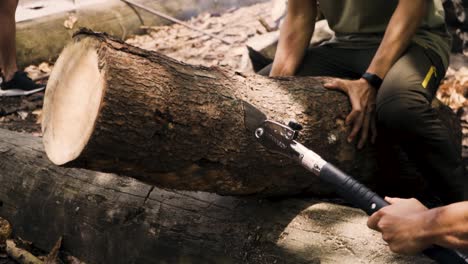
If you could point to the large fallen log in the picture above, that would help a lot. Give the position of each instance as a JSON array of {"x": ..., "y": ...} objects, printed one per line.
[
  {"x": 116, "y": 108},
  {"x": 105, "y": 218},
  {"x": 112, "y": 16}
]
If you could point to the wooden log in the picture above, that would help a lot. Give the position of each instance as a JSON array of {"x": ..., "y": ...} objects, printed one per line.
[
  {"x": 105, "y": 218},
  {"x": 112, "y": 16},
  {"x": 116, "y": 108}
]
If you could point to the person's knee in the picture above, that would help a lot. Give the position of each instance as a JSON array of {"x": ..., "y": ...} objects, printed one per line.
[{"x": 403, "y": 113}]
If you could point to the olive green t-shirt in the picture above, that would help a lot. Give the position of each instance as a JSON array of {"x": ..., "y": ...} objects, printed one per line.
[{"x": 361, "y": 23}]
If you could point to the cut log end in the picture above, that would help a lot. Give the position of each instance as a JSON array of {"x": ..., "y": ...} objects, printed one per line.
[{"x": 73, "y": 98}]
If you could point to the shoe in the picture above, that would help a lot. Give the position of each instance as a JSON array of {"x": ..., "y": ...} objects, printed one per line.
[{"x": 20, "y": 84}]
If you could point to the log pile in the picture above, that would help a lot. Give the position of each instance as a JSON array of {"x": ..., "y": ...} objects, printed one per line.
[{"x": 106, "y": 218}]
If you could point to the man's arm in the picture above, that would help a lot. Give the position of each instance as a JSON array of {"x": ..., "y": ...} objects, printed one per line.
[
  {"x": 403, "y": 25},
  {"x": 296, "y": 32},
  {"x": 409, "y": 227},
  {"x": 447, "y": 226}
]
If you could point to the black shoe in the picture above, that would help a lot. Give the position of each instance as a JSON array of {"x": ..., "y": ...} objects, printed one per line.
[{"x": 20, "y": 84}]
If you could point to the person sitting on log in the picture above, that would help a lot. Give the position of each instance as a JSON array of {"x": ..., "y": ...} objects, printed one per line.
[
  {"x": 409, "y": 227},
  {"x": 389, "y": 57},
  {"x": 14, "y": 82}
]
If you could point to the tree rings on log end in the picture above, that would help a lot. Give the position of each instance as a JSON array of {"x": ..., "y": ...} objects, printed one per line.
[{"x": 72, "y": 101}]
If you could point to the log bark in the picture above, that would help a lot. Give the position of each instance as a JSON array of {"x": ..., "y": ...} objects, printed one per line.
[
  {"x": 105, "y": 218},
  {"x": 116, "y": 108}
]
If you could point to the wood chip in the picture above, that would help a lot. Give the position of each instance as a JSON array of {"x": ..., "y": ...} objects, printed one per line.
[
  {"x": 20, "y": 255},
  {"x": 5, "y": 230},
  {"x": 70, "y": 22}
]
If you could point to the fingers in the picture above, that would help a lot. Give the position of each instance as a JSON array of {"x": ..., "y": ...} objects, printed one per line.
[
  {"x": 357, "y": 125},
  {"x": 365, "y": 130},
  {"x": 336, "y": 84},
  {"x": 356, "y": 117},
  {"x": 351, "y": 118},
  {"x": 372, "y": 122},
  {"x": 374, "y": 220},
  {"x": 362, "y": 115},
  {"x": 369, "y": 126},
  {"x": 388, "y": 199},
  {"x": 373, "y": 128},
  {"x": 391, "y": 200}
]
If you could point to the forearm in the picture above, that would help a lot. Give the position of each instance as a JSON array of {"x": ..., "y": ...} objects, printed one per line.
[
  {"x": 403, "y": 25},
  {"x": 447, "y": 226},
  {"x": 296, "y": 32}
]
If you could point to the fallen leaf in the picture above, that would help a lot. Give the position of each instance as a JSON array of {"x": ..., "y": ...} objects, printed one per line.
[{"x": 22, "y": 114}]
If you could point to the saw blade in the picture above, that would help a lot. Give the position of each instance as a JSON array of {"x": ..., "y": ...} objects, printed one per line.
[{"x": 253, "y": 118}]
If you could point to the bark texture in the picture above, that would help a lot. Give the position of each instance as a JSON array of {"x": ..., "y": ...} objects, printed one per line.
[
  {"x": 184, "y": 127},
  {"x": 105, "y": 218}
]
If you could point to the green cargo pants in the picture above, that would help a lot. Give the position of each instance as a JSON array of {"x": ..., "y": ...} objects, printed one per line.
[{"x": 404, "y": 112}]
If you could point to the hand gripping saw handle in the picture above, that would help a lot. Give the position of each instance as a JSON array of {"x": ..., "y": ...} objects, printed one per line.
[{"x": 281, "y": 139}]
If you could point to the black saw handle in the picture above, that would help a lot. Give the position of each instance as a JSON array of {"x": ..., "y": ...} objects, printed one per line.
[
  {"x": 350, "y": 189},
  {"x": 370, "y": 202}
]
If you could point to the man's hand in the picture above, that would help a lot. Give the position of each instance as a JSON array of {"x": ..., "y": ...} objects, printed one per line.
[
  {"x": 362, "y": 117},
  {"x": 401, "y": 225}
]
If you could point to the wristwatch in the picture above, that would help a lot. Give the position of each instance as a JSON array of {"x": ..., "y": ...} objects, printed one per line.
[{"x": 372, "y": 79}]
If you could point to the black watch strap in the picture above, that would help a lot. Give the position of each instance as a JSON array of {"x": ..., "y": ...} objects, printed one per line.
[{"x": 373, "y": 79}]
